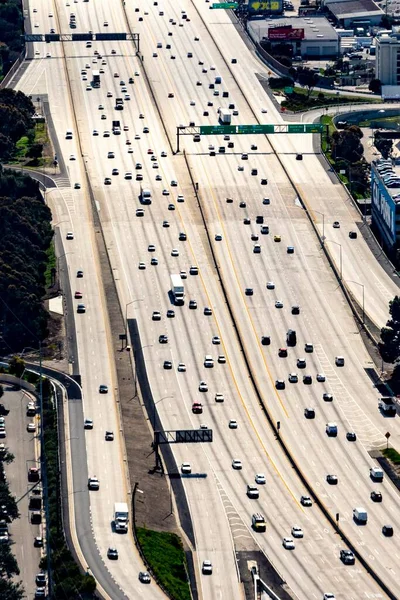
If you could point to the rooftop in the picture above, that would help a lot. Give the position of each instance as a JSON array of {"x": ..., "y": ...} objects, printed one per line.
[
  {"x": 314, "y": 27},
  {"x": 354, "y": 8}
]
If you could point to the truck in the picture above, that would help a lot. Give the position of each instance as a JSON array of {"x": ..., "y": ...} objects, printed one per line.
[
  {"x": 387, "y": 405},
  {"x": 116, "y": 128},
  {"x": 121, "y": 517},
  {"x": 177, "y": 289},
  {"x": 119, "y": 104},
  {"x": 360, "y": 515},
  {"x": 96, "y": 79},
  {"x": 225, "y": 116}
]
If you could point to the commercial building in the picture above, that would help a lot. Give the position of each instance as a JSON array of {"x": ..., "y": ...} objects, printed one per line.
[
  {"x": 385, "y": 210},
  {"x": 355, "y": 13},
  {"x": 310, "y": 37},
  {"x": 387, "y": 67}
]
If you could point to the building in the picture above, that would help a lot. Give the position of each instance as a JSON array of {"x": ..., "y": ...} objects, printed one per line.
[
  {"x": 310, "y": 37},
  {"x": 387, "y": 67},
  {"x": 385, "y": 210},
  {"x": 355, "y": 13}
]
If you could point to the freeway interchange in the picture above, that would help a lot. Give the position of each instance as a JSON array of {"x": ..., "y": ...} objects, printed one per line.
[{"x": 251, "y": 196}]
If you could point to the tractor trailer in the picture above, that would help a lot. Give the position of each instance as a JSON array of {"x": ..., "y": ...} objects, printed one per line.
[
  {"x": 225, "y": 116},
  {"x": 177, "y": 289}
]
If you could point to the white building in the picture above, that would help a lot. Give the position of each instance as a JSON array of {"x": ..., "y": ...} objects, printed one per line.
[{"x": 388, "y": 57}]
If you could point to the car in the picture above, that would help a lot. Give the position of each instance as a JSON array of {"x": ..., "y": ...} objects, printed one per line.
[
  {"x": 203, "y": 387},
  {"x": 116, "y": 74},
  {"x": 137, "y": 136},
  {"x": 297, "y": 532},
  {"x": 278, "y": 304},
  {"x": 109, "y": 436},
  {"x": 183, "y": 275},
  {"x": 332, "y": 479},
  {"x": 140, "y": 212},
  {"x": 165, "y": 192},
  {"x": 265, "y": 340},
  {"x": 128, "y": 175},
  {"x": 112, "y": 554},
  {"x": 219, "y": 397},
  {"x": 339, "y": 361},
  {"x": 264, "y": 180},
  {"x": 387, "y": 530},
  {"x": 186, "y": 467},
  {"x": 216, "y": 340},
  {"x": 193, "y": 304},
  {"x": 144, "y": 577},
  {"x": 305, "y": 501},
  {"x": 167, "y": 364},
  {"x": 376, "y": 496},
  {"x": 171, "y": 206},
  {"x": 181, "y": 367},
  {"x": 270, "y": 285},
  {"x": 307, "y": 379},
  {"x": 182, "y": 236},
  {"x": 41, "y": 580},
  {"x": 321, "y": 377},
  {"x": 115, "y": 172},
  {"x": 280, "y": 384},
  {"x": 260, "y": 478},
  {"x": 290, "y": 250},
  {"x": 158, "y": 177},
  {"x": 38, "y": 542},
  {"x": 163, "y": 154},
  {"x": 31, "y": 427},
  {"x": 327, "y": 397},
  {"x": 103, "y": 389},
  {"x": 237, "y": 464},
  {"x": 218, "y": 237},
  {"x": 93, "y": 483},
  {"x": 88, "y": 424},
  {"x": 351, "y": 436},
  {"x": 106, "y": 134},
  {"x": 293, "y": 378},
  {"x": 353, "y": 235},
  {"x": 146, "y": 130},
  {"x": 151, "y": 248},
  {"x": 221, "y": 359},
  {"x": 336, "y": 225},
  {"x": 277, "y": 238},
  {"x": 232, "y": 424},
  {"x": 163, "y": 339},
  {"x": 248, "y": 291},
  {"x": 81, "y": 308},
  {"x": 266, "y": 201},
  {"x": 252, "y": 492},
  {"x": 347, "y": 557},
  {"x": 288, "y": 543},
  {"x": 79, "y": 274},
  {"x": 70, "y": 235},
  {"x": 107, "y": 181},
  {"x": 156, "y": 316},
  {"x": 242, "y": 204},
  {"x": 207, "y": 567},
  {"x": 329, "y": 596},
  {"x": 254, "y": 237},
  {"x": 282, "y": 352},
  {"x": 170, "y": 313},
  {"x": 309, "y": 413},
  {"x": 301, "y": 363}
]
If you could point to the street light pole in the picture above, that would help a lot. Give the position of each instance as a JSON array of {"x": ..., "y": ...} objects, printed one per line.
[{"x": 154, "y": 410}]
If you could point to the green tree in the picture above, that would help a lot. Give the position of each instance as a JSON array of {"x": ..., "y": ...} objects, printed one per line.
[
  {"x": 11, "y": 591},
  {"x": 6, "y": 498},
  {"x": 35, "y": 151},
  {"x": 383, "y": 145},
  {"x": 346, "y": 144},
  {"x": 390, "y": 335},
  {"x": 375, "y": 86},
  {"x": 8, "y": 563},
  {"x": 308, "y": 78},
  {"x": 16, "y": 366}
]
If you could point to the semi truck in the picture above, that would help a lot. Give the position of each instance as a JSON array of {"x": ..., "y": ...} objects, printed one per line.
[
  {"x": 177, "y": 289},
  {"x": 116, "y": 128},
  {"x": 121, "y": 517},
  {"x": 225, "y": 116}
]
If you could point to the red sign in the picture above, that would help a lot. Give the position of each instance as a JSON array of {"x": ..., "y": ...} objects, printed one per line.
[{"x": 285, "y": 33}]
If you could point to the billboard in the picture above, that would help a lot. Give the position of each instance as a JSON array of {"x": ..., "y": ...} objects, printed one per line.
[
  {"x": 383, "y": 209},
  {"x": 267, "y": 6},
  {"x": 285, "y": 33}
]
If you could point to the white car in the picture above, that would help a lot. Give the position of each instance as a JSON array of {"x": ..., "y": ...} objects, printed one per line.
[
  {"x": 219, "y": 397},
  {"x": 31, "y": 427},
  {"x": 232, "y": 424},
  {"x": 216, "y": 340},
  {"x": 203, "y": 387},
  {"x": 72, "y": 157},
  {"x": 329, "y": 596},
  {"x": 237, "y": 464},
  {"x": 297, "y": 532},
  {"x": 320, "y": 377},
  {"x": 186, "y": 467},
  {"x": 207, "y": 567},
  {"x": 278, "y": 304},
  {"x": 181, "y": 368},
  {"x": 288, "y": 543},
  {"x": 180, "y": 197},
  {"x": 174, "y": 252},
  {"x": 260, "y": 478}
]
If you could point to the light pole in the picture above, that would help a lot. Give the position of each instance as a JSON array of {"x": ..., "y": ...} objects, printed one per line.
[
  {"x": 154, "y": 410},
  {"x": 323, "y": 225},
  {"x": 126, "y": 314},
  {"x": 363, "y": 296},
  {"x": 340, "y": 257}
]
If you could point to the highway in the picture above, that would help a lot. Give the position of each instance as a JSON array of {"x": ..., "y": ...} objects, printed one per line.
[{"x": 304, "y": 278}]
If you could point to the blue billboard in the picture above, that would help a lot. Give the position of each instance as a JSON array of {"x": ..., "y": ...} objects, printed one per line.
[{"x": 383, "y": 208}]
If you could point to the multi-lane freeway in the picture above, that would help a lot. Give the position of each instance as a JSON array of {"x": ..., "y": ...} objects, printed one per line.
[{"x": 250, "y": 291}]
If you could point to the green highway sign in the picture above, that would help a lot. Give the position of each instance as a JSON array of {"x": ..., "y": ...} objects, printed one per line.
[
  {"x": 227, "y": 5},
  {"x": 217, "y": 129},
  {"x": 298, "y": 128},
  {"x": 314, "y": 128},
  {"x": 255, "y": 129}
]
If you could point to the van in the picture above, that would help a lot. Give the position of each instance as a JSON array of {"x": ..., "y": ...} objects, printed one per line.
[
  {"x": 146, "y": 196},
  {"x": 331, "y": 429},
  {"x": 68, "y": 134},
  {"x": 208, "y": 361},
  {"x": 291, "y": 338},
  {"x": 376, "y": 474},
  {"x": 360, "y": 515}
]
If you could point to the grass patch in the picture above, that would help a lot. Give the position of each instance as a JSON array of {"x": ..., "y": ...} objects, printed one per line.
[
  {"x": 38, "y": 135},
  {"x": 392, "y": 455},
  {"x": 164, "y": 553},
  {"x": 51, "y": 264},
  {"x": 299, "y": 101}
]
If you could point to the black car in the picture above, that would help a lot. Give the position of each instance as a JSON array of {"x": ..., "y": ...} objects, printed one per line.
[
  {"x": 163, "y": 339},
  {"x": 309, "y": 413},
  {"x": 265, "y": 340},
  {"x": 167, "y": 364},
  {"x": 353, "y": 235},
  {"x": 351, "y": 436},
  {"x": 387, "y": 530},
  {"x": 332, "y": 479},
  {"x": 347, "y": 557},
  {"x": 307, "y": 379},
  {"x": 376, "y": 496},
  {"x": 249, "y": 291}
]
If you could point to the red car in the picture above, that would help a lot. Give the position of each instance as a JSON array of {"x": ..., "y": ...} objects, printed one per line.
[
  {"x": 197, "y": 408},
  {"x": 78, "y": 295}
]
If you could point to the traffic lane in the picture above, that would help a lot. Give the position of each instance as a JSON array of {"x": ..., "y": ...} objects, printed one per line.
[{"x": 21, "y": 444}]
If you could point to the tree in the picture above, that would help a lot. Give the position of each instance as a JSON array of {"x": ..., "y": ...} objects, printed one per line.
[
  {"x": 375, "y": 86},
  {"x": 308, "y": 78},
  {"x": 11, "y": 591},
  {"x": 383, "y": 145},
  {"x": 390, "y": 335},
  {"x": 35, "y": 151},
  {"x": 16, "y": 366},
  {"x": 346, "y": 144},
  {"x": 8, "y": 563}
]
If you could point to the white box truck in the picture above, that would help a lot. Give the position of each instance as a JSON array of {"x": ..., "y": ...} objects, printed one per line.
[
  {"x": 121, "y": 517},
  {"x": 360, "y": 515},
  {"x": 225, "y": 116},
  {"x": 177, "y": 289}
]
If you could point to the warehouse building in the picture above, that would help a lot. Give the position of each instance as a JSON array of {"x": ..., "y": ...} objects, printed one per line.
[
  {"x": 355, "y": 13},
  {"x": 310, "y": 37}
]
